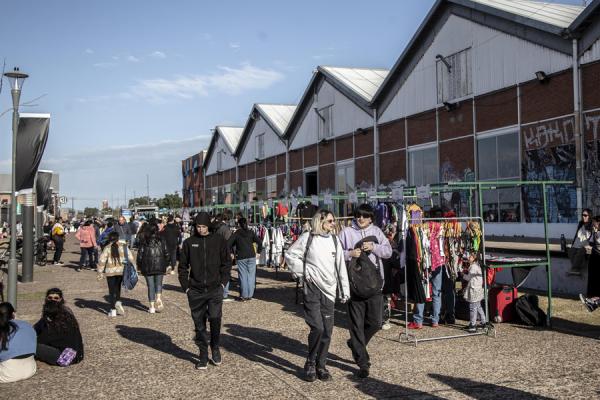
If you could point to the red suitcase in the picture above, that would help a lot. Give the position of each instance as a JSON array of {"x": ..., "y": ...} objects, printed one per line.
[{"x": 501, "y": 302}]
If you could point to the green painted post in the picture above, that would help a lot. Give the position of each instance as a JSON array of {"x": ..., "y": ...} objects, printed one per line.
[{"x": 548, "y": 264}]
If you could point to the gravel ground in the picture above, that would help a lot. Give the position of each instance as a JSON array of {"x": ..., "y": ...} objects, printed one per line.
[{"x": 264, "y": 347}]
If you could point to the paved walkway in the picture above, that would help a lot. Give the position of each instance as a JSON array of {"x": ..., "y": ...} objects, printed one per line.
[{"x": 264, "y": 346}]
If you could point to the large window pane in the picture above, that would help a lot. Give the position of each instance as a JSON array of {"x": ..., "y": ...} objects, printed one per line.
[
  {"x": 486, "y": 157},
  {"x": 423, "y": 166},
  {"x": 508, "y": 156},
  {"x": 510, "y": 204}
]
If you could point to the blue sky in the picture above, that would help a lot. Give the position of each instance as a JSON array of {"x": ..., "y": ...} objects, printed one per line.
[{"x": 135, "y": 86}]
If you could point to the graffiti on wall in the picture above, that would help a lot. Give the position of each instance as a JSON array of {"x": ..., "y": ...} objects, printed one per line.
[
  {"x": 457, "y": 200},
  {"x": 591, "y": 166},
  {"x": 549, "y": 154}
]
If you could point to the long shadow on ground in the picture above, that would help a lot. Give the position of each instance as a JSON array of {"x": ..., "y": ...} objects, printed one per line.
[
  {"x": 104, "y": 307},
  {"x": 258, "y": 345},
  {"x": 155, "y": 340},
  {"x": 482, "y": 390}
]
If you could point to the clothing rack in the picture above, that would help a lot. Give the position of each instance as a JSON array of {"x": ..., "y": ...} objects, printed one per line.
[{"x": 407, "y": 337}]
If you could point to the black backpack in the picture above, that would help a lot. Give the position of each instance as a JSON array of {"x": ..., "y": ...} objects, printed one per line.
[
  {"x": 364, "y": 276},
  {"x": 529, "y": 311}
]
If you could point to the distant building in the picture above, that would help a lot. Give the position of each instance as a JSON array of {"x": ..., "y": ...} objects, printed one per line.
[
  {"x": 104, "y": 204},
  {"x": 193, "y": 180}
]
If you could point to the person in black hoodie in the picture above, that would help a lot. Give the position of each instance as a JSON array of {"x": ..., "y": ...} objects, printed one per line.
[
  {"x": 152, "y": 261},
  {"x": 246, "y": 245},
  {"x": 172, "y": 237},
  {"x": 204, "y": 270},
  {"x": 57, "y": 330}
]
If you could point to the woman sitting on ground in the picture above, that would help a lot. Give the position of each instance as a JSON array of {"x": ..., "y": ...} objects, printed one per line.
[
  {"x": 59, "y": 340},
  {"x": 17, "y": 347}
]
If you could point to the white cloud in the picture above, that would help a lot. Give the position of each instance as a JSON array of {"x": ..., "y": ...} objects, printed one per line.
[
  {"x": 234, "y": 45},
  {"x": 230, "y": 80},
  {"x": 158, "y": 54},
  {"x": 133, "y": 59},
  {"x": 88, "y": 51}
]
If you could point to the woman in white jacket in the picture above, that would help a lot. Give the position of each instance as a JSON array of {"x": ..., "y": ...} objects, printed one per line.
[{"x": 318, "y": 257}]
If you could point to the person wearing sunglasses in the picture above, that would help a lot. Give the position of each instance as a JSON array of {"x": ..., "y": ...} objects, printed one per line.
[
  {"x": 361, "y": 239},
  {"x": 577, "y": 252},
  {"x": 318, "y": 258},
  {"x": 59, "y": 340},
  {"x": 592, "y": 301}
]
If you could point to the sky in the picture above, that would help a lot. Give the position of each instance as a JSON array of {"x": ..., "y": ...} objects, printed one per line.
[{"x": 133, "y": 87}]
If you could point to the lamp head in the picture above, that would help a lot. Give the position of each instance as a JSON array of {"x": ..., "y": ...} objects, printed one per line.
[
  {"x": 542, "y": 77},
  {"x": 16, "y": 78}
]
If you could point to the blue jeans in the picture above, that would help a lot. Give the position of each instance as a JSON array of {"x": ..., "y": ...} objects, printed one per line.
[
  {"x": 154, "y": 283},
  {"x": 226, "y": 291},
  {"x": 247, "y": 275},
  {"x": 436, "y": 286}
]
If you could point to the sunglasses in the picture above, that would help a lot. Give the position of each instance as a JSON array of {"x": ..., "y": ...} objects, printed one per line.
[
  {"x": 329, "y": 220},
  {"x": 53, "y": 297},
  {"x": 585, "y": 215}
]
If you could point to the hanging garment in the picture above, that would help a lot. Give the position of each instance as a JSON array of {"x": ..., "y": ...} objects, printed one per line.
[{"x": 414, "y": 277}]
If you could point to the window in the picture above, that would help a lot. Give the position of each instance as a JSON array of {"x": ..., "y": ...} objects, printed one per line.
[
  {"x": 423, "y": 166},
  {"x": 220, "y": 160},
  {"x": 325, "y": 122},
  {"x": 272, "y": 186},
  {"x": 345, "y": 178},
  {"x": 252, "y": 186},
  {"x": 228, "y": 188},
  {"x": 260, "y": 146},
  {"x": 454, "y": 76},
  {"x": 498, "y": 159}
]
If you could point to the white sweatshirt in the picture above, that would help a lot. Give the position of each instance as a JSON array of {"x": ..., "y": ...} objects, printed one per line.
[{"x": 324, "y": 266}]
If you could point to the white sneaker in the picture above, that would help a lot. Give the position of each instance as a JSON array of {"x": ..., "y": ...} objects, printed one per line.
[
  {"x": 120, "y": 310},
  {"x": 152, "y": 310},
  {"x": 386, "y": 326},
  {"x": 172, "y": 272},
  {"x": 112, "y": 313}
]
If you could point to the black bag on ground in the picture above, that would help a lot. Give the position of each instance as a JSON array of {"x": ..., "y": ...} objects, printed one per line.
[
  {"x": 529, "y": 311},
  {"x": 363, "y": 275}
]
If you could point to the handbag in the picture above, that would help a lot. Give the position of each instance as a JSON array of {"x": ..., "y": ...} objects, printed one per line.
[{"x": 130, "y": 275}]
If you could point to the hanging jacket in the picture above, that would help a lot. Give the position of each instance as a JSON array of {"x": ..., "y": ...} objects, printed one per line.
[
  {"x": 153, "y": 257},
  {"x": 86, "y": 236}
]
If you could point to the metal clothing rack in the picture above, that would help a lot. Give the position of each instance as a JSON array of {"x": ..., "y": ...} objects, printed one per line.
[{"x": 409, "y": 337}]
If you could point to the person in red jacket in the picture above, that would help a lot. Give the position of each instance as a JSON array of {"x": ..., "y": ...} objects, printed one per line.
[{"x": 87, "y": 243}]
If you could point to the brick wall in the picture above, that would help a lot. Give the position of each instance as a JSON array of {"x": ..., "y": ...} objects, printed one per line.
[
  {"x": 391, "y": 136},
  {"x": 310, "y": 156},
  {"x": 456, "y": 123},
  {"x": 363, "y": 170},
  {"x": 456, "y": 156},
  {"x": 295, "y": 159},
  {"x": 281, "y": 163},
  {"x": 363, "y": 143},
  {"x": 271, "y": 166},
  {"x": 590, "y": 82},
  {"x": 280, "y": 183},
  {"x": 327, "y": 177},
  {"x": 496, "y": 110},
  {"x": 326, "y": 153},
  {"x": 422, "y": 128},
  {"x": 344, "y": 148},
  {"x": 541, "y": 101},
  {"x": 260, "y": 169},
  {"x": 296, "y": 179},
  {"x": 392, "y": 166}
]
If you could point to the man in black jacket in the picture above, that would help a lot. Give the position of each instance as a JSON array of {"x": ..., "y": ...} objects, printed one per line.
[
  {"x": 172, "y": 236},
  {"x": 204, "y": 270}
]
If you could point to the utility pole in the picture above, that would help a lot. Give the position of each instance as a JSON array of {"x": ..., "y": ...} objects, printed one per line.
[
  {"x": 126, "y": 205},
  {"x": 148, "y": 187},
  {"x": 73, "y": 206}
]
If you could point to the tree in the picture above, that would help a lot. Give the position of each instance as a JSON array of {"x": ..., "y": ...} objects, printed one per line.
[
  {"x": 141, "y": 201},
  {"x": 91, "y": 212},
  {"x": 170, "y": 201}
]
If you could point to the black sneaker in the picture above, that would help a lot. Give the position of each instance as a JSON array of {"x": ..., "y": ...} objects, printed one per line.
[
  {"x": 203, "y": 363},
  {"x": 216, "y": 356},
  {"x": 472, "y": 329},
  {"x": 310, "y": 372},
  {"x": 590, "y": 307},
  {"x": 363, "y": 373},
  {"x": 323, "y": 375},
  {"x": 482, "y": 326}
]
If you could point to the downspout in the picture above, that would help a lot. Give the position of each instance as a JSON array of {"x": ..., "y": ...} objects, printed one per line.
[
  {"x": 578, "y": 131},
  {"x": 375, "y": 150},
  {"x": 287, "y": 167}
]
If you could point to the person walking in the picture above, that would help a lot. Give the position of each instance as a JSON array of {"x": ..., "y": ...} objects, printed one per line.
[
  {"x": 172, "y": 237},
  {"x": 204, "y": 269},
  {"x": 58, "y": 237},
  {"x": 366, "y": 314},
  {"x": 245, "y": 244},
  {"x": 220, "y": 225},
  {"x": 111, "y": 265},
  {"x": 124, "y": 230},
  {"x": 318, "y": 258},
  {"x": 87, "y": 243},
  {"x": 17, "y": 347},
  {"x": 152, "y": 261}
]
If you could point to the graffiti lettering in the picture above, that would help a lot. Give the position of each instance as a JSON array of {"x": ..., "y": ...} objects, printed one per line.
[{"x": 549, "y": 134}]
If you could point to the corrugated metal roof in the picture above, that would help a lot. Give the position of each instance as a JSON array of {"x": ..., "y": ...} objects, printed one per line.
[
  {"x": 279, "y": 115},
  {"x": 363, "y": 81},
  {"x": 231, "y": 135},
  {"x": 561, "y": 15}
]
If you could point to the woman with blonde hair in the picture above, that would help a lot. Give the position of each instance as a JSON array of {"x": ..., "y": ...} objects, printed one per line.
[{"x": 318, "y": 258}]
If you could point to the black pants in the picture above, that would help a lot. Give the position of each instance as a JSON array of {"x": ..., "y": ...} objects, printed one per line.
[
  {"x": 87, "y": 257},
  {"x": 206, "y": 306},
  {"x": 366, "y": 319},
  {"x": 59, "y": 244},
  {"x": 173, "y": 256},
  {"x": 593, "y": 285},
  {"x": 47, "y": 354},
  {"x": 114, "y": 289},
  {"x": 318, "y": 314}
]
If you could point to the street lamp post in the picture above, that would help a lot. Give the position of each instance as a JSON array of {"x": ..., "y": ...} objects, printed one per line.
[{"x": 16, "y": 79}]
